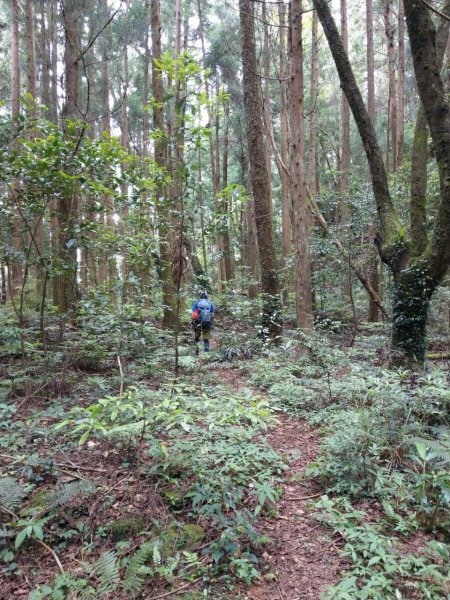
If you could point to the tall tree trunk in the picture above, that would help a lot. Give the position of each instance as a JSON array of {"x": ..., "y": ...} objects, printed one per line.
[
  {"x": 65, "y": 283},
  {"x": 37, "y": 241},
  {"x": 45, "y": 58},
  {"x": 227, "y": 243},
  {"x": 31, "y": 52},
  {"x": 160, "y": 153},
  {"x": 107, "y": 263},
  {"x": 53, "y": 114},
  {"x": 344, "y": 178},
  {"x": 299, "y": 195},
  {"x": 286, "y": 223},
  {"x": 125, "y": 144},
  {"x": 345, "y": 133},
  {"x": 14, "y": 264},
  {"x": 419, "y": 157},
  {"x": 266, "y": 70},
  {"x": 374, "y": 261},
  {"x": 392, "y": 130},
  {"x": 401, "y": 83},
  {"x": 259, "y": 175},
  {"x": 313, "y": 110}
]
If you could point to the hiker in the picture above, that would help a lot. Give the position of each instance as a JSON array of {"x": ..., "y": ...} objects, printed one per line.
[{"x": 201, "y": 319}]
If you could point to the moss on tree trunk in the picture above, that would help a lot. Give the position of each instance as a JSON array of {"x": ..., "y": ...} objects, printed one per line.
[{"x": 413, "y": 290}]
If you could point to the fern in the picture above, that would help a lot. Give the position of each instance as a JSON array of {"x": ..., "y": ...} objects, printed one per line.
[
  {"x": 65, "y": 493},
  {"x": 137, "y": 570},
  {"x": 11, "y": 492},
  {"x": 107, "y": 571}
]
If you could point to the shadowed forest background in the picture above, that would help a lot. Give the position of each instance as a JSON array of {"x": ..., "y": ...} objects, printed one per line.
[{"x": 292, "y": 160}]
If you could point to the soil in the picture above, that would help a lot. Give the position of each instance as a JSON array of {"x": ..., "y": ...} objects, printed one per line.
[{"x": 303, "y": 559}]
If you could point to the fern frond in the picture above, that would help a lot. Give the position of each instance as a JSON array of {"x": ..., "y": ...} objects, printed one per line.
[
  {"x": 11, "y": 492},
  {"x": 107, "y": 570},
  {"x": 65, "y": 493},
  {"x": 136, "y": 571}
]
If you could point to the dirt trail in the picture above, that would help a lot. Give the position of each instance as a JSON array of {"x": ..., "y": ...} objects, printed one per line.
[{"x": 303, "y": 560}]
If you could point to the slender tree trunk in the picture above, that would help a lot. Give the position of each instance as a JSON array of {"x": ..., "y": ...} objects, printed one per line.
[
  {"x": 202, "y": 211},
  {"x": 313, "y": 110},
  {"x": 53, "y": 114},
  {"x": 227, "y": 242},
  {"x": 65, "y": 288},
  {"x": 160, "y": 153},
  {"x": 345, "y": 133},
  {"x": 286, "y": 223},
  {"x": 14, "y": 264},
  {"x": 251, "y": 246},
  {"x": 107, "y": 262},
  {"x": 259, "y": 175},
  {"x": 37, "y": 241},
  {"x": 45, "y": 59},
  {"x": 401, "y": 83},
  {"x": 31, "y": 51},
  {"x": 374, "y": 260},
  {"x": 392, "y": 144},
  {"x": 299, "y": 196},
  {"x": 125, "y": 144},
  {"x": 266, "y": 71}
]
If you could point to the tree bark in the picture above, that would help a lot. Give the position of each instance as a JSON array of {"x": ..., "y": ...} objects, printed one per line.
[
  {"x": 45, "y": 59},
  {"x": 422, "y": 35},
  {"x": 227, "y": 242},
  {"x": 266, "y": 70},
  {"x": 65, "y": 290},
  {"x": 419, "y": 157},
  {"x": 374, "y": 266},
  {"x": 305, "y": 319},
  {"x": 53, "y": 114},
  {"x": 160, "y": 155},
  {"x": 313, "y": 187},
  {"x": 345, "y": 132},
  {"x": 286, "y": 224},
  {"x": 259, "y": 175},
  {"x": 14, "y": 263},
  {"x": 392, "y": 143},
  {"x": 401, "y": 83}
]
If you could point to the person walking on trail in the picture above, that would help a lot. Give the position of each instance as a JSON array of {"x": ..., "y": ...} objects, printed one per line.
[{"x": 201, "y": 320}]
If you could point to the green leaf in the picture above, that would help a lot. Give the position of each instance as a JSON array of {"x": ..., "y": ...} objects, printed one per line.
[
  {"x": 38, "y": 531},
  {"x": 421, "y": 450},
  {"x": 21, "y": 537},
  {"x": 84, "y": 437}
]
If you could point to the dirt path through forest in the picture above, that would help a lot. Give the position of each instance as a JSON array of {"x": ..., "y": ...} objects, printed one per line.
[{"x": 303, "y": 559}]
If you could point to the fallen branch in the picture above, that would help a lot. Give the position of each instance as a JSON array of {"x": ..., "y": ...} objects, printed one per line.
[
  {"x": 52, "y": 552},
  {"x": 304, "y": 497},
  {"x": 438, "y": 355},
  {"x": 182, "y": 587}
]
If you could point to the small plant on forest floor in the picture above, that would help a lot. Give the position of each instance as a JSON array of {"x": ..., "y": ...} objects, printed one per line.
[{"x": 377, "y": 569}]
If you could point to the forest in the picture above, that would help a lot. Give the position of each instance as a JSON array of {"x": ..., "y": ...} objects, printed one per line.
[{"x": 224, "y": 299}]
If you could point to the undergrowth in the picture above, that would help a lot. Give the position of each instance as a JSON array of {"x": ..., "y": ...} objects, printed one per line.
[{"x": 385, "y": 440}]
